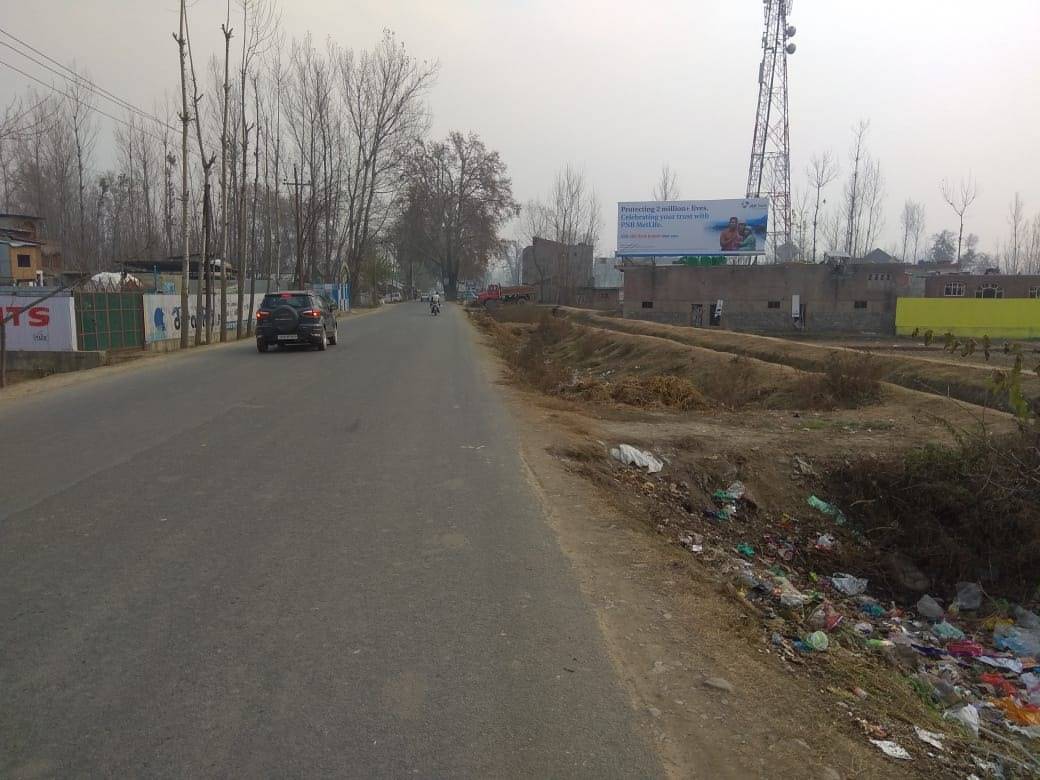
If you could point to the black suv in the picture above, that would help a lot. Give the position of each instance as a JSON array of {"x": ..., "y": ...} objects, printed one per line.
[{"x": 295, "y": 317}]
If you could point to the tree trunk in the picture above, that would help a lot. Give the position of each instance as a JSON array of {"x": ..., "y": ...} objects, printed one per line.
[
  {"x": 226, "y": 29},
  {"x": 201, "y": 312},
  {"x": 185, "y": 319}
]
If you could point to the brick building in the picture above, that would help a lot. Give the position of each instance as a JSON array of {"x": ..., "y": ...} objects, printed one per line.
[
  {"x": 783, "y": 298},
  {"x": 961, "y": 285}
]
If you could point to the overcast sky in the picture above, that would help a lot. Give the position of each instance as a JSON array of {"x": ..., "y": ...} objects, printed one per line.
[{"x": 950, "y": 86}]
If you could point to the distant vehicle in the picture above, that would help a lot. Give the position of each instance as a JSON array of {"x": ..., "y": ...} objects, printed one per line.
[
  {"x": 496, "y": 295},
  {"x": 296, "y": 317},
  {"x": 394, "y": 297}
]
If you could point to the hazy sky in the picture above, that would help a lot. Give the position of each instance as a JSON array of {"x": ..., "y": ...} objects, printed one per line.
[{"x": 950, "y": 86}]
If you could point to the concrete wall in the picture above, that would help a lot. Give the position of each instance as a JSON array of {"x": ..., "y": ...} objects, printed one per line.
[
  {"x": 55, "y": 362},
  {"x": 972, "y": 284},
  {"x": 1013, "y": 318},
  {"x": 836, "y": 298},
  {"x": 598, "y": 298}
]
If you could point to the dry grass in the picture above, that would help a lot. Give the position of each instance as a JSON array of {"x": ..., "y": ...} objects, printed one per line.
[
  {"x": 848, "y": 381},
  {"x": 963, "y": 382}
]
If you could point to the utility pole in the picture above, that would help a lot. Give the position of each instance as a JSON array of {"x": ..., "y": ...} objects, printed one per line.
[
  {"x": 298, "y": 200},
  {"x": 185, "y": 316}
]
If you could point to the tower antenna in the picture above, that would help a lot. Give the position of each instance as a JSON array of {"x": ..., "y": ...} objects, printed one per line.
[{"x": 769, "y": 174}]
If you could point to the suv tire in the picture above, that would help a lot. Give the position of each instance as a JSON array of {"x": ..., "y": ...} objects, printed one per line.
[
  {"x": 261, "y": 345},
  {"x": 334, "y": 338},
  {"x": 324, "y": 341}
]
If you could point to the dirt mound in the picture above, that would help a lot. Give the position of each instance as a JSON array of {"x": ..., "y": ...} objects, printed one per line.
[{"x": 564, "y": 358}]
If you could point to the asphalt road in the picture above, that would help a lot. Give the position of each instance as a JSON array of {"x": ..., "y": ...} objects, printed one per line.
[{"x": 295, "y": 564}]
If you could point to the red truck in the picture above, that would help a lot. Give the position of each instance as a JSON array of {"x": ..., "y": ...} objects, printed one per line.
[{"x": 496, "y": 294}]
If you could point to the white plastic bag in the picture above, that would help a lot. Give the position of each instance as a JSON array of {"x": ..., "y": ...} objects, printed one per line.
[
  {"x": 967, "y": 716},
  {"x": 630, "y": 456}
]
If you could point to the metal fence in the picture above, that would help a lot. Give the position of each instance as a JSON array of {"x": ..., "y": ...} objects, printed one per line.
[{"x": 109, "y": 320}]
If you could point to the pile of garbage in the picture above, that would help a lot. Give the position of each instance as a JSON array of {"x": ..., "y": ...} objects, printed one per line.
[{"x": 971, "y": 657}]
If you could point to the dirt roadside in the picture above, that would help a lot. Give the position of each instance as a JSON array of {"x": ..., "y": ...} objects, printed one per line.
[{"x": 715, "y": 701}]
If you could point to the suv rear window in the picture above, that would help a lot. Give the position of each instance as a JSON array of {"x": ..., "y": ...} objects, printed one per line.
[{"x": 296, "y": 300}]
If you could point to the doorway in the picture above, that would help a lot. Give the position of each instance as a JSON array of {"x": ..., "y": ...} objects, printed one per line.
[
  {"x": 715, "y": 315},
  {"x": 697, "y": 315}
]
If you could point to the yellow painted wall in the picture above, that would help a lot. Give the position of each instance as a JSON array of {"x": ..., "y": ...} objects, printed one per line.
[{"x": 1008, "y": 318}]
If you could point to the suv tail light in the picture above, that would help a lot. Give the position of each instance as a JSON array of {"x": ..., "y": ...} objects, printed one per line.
[
  {"x": 311, "y": 313},
  {"x": 262, "y": 315}
]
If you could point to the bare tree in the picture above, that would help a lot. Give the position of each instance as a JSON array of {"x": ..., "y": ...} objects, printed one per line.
[
  {"x": 572, "y": 211},
  {"x": 202, "y": 312},
  {"x": 259, "y": 24},
  {"x": 463, "y": 197},
  {"x": 960, "y": 199},
  {"x": 185, "y": 119},
  {"x": 225, "y": 28},
  {"x": 84, "y": 133},
  {"x": 384, "y": 95},
  {"x": 918, "y": 231},
  {"x": 667, "y": 187},
  {"x": 822, "y": 170},
  {"x": 911, "y": 221},
  {"x": 1017, "y": 225},
  {"x": 801, "y": 214},
  {"x": 863, "y": 195},
  {"x": 1031, "y": 257}
]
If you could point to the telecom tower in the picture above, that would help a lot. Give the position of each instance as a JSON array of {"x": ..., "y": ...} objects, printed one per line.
[{"x": 769, "y": 174}]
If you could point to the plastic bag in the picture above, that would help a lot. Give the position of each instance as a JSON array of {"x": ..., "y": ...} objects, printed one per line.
[
  {"x": 969, "y": 596},
  {"x": 818, "y": 641},
  {"x": 825, "y": 542},
  {"x": 790, "y": 596},
  {"x": 827, "y": 509},
  {"x": 891, "y": 749},
  {"x": 849, "y": 585},
  {"x": 630, "y": 456},
  {"x": 945, "y": 630},
  {"x": 1020, "y": 641},
  {"x": 967, "y": 716},
  {"x": 929, "y": 608},
  {"x": 1027, "y": 619}
]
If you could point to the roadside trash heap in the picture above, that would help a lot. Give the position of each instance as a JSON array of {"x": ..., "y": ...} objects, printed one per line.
[{"x": 972, "y": 657}]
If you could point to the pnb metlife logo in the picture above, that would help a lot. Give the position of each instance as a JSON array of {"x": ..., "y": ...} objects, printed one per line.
[{"x": 754, "y": 203}]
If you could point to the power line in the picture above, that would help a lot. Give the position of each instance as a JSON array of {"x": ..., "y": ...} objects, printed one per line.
[
  {"x": 83, "y": 80},
  {"x": 91, "y": 108}
]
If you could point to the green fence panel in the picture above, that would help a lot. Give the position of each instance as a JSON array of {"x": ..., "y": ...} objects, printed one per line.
[{"x": 109, "y": 320}]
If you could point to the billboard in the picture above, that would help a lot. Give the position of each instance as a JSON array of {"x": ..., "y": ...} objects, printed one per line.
[
  {"x": 48, "y": 326},
  {"x": 678, "y": 228}
]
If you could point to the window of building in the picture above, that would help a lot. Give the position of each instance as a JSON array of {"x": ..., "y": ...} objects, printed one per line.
[
  {"x": 953, "y": 289},
  {"x": 648, "y": 304},
  {"x": 24, "y": 261},
  {"x": 1034, "y": 292},
  {"x": 859, "y": 304},
  {"x": 774, "y": 304},
  {"x": 989, "y": 291}
]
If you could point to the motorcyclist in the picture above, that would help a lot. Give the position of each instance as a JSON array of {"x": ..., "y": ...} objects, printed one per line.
[{"x": 435, "y": 303}]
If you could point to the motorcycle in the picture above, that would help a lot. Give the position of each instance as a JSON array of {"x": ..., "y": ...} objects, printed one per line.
[{"x": 435, "y": 309}]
